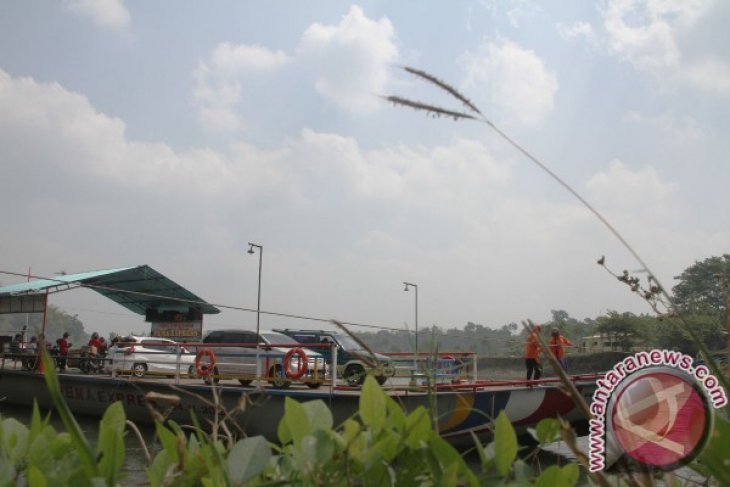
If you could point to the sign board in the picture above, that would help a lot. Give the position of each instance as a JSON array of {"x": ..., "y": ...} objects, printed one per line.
[
  {"x": 29, "y": 303},
  {"x": 178, "y": 330}
]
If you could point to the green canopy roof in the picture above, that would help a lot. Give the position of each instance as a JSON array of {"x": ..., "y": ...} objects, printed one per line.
[{"x": 139, "y": 289}]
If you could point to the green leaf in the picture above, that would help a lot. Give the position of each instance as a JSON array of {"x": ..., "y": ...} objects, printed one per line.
[
  {"x": 546, "y": 430},
  {"x": 7, "y": 471},
  {"x": 715, "y": 457},
  {"x": 14, "y": 440},
  {"x": 248, "y": 458},
  {"x": 396, "y": 418},
  {"x": 168, "y": 439},
  {"x": 319, "y": 415},
  {"x": 37, "y": 423},
  {"x": 111, "y": 443},
  {"x": 317, "y": 450},
  {"x": 297, "y": 420},
  {"x": 418, "y": 427},
  {"x": 36, "y": 478},
  {"x": 452, "y": 462},
  {"x": 283, "y": 431},
  {"x": 554, "y": 476},
  {"x": 571, "y": 473},
  {"x": 505, "y": 444},
  {"x": 86, "y": 457},
  {"x": 372, "y": 404},
  {"x": 158, "y": 469}
]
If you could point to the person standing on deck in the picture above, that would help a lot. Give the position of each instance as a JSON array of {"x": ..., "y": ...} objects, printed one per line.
[
  {"x": 557, "y": 347},
  {"x": 532, "y": 354},
  {"x": 63, "y": 346}
]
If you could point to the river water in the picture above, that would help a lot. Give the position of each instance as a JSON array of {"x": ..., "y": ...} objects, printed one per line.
[{"x": 135, "y": 463}]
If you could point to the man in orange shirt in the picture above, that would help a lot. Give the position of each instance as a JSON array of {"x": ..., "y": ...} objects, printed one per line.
[
  {"x": 557, "y": 347},
  {"x": 532, "y": 354}
]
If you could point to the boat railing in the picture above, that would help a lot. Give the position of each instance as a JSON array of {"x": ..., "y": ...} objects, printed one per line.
[
  {"x": 427, "y": 368},
  {"x": 262, "y": 362}
]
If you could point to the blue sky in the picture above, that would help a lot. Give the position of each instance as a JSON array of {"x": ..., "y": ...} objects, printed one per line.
[{"x": 173, "y": 133}]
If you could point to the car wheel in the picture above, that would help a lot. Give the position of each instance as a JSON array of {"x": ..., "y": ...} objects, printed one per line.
[
  {"x": 139, "y": 370},
  {"x": 212, "y": 378},
  {"x": 354, "y": 375},
  {"x": 245, "y": 382},
  {"x": 381, "y": 379},
  {"x": 314, "y": 385},
  {"x": 277, "y": 377}
]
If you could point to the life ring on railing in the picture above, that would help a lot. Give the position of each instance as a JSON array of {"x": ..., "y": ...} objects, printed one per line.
[
  {"x": 303, "y": 365},
  {"x": 204, "y": 372}
]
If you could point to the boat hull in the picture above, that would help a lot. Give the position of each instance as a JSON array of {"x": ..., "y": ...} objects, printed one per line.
[{"x": 258, "y": 412}]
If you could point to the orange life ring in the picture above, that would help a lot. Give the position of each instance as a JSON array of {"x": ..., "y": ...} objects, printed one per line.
[
  {"x": 303, "y": 365},
  {"x": 204, "y": 372}
]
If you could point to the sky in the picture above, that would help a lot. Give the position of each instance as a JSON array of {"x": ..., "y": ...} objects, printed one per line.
[{"x": 173, "y": 133}]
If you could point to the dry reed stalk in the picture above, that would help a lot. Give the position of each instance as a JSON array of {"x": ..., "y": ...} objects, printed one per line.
[
  {"x": 359, "y": 342},
  {"x": 444, "y": 86},
  {"x": 456, "y": 115}
]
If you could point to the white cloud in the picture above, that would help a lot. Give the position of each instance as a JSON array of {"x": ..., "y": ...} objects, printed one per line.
[
  {"x": 79, "y": 140},
  {"x": 641, "y": 192},
  {"x": 350, "y": 61},
  {"x": 106, "y": 13},
  {"x": 710, "y": 74},
  {"x": 231, "y": 60},
  {"x": 513, "y": 79},
  {"x": 648, "y": 34},
  {"x": 577, "y": 30},
  {"x": 219, "y": 82},
  {"x": 679, "y": 129}
]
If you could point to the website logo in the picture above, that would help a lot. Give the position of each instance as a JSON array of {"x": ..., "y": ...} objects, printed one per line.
[{"x": 656, "y": 408}]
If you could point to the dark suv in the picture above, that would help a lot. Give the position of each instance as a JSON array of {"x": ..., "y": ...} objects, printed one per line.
[
  {"x": 235, "y": 357},
  {"x": 353, "y": 361}
]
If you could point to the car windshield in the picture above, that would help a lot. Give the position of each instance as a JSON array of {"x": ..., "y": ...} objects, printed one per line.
[
  {"x": 348, "y": 343},
  {"x": 277, "y": 338}
]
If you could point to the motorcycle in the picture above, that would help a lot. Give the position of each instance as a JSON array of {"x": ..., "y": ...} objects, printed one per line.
[{"x": 91, "y": 362}]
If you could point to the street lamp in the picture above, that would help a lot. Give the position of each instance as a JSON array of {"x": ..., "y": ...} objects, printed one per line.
[
  {"x": 258, "y": 305},
  {"x": 415, "y": 286}
]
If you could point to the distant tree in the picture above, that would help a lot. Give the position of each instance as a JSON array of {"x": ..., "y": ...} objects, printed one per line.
[
  {"x": 672, "y": 335},
  {"x": 626, "y": 329},
  {"x": 57, "y": 322},
  {"x": 703, "y": 286}
]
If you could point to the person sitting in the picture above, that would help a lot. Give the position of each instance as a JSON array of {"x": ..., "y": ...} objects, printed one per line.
[
  {"x": 96, "y": 343},
  {"x": 31, "y": 362},
  {"x": 16, "y": 346},
  {"x": 97, "y": 346}
]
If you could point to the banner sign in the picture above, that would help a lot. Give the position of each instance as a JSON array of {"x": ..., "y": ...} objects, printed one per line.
[{"x": 178, "y": 330}]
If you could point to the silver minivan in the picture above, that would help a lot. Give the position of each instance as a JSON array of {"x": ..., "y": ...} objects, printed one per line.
[{"x": 235, "y": 358}]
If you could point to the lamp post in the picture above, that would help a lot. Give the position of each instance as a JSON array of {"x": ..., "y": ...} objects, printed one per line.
[
  {"x": 415, "y": 286},
  {"x": 258, "y": 307}
]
